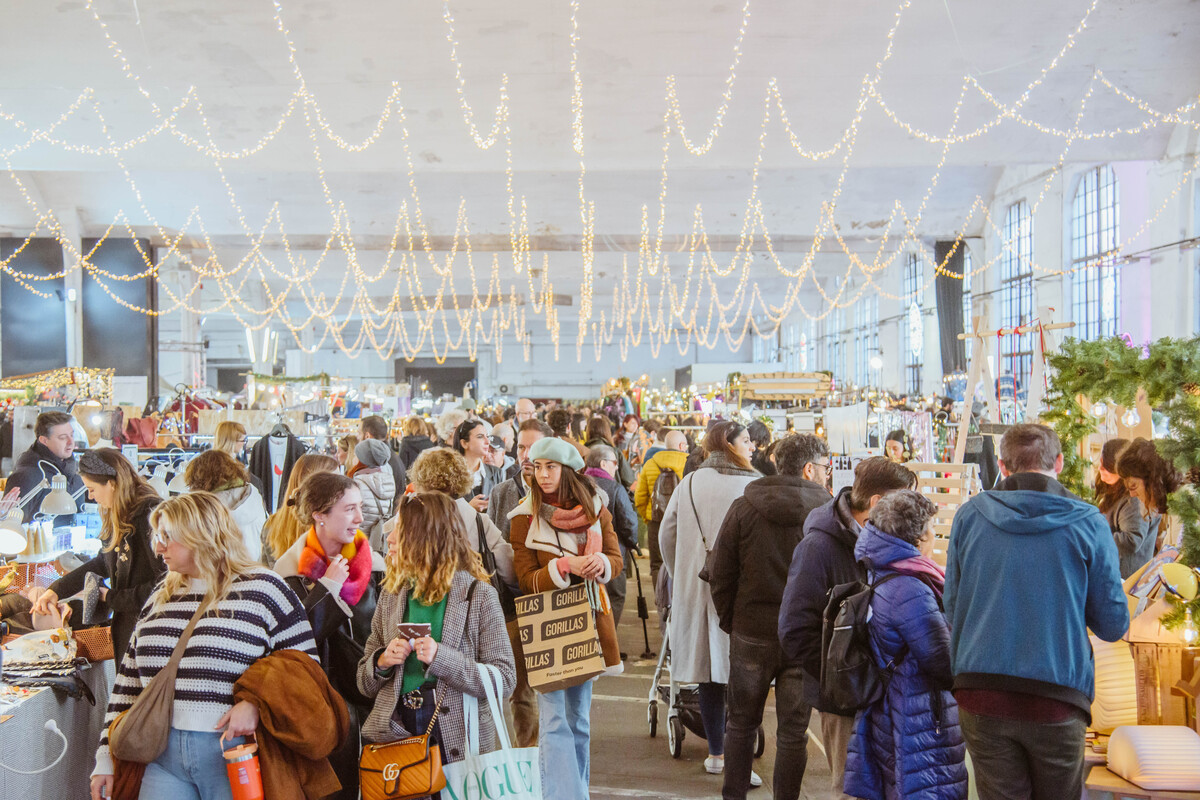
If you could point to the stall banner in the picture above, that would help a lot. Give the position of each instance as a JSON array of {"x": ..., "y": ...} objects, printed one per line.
[{"x": 558, "y": 637}]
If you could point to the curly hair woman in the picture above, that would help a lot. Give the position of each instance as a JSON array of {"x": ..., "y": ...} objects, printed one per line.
[{"x": 1151, "y": 479}]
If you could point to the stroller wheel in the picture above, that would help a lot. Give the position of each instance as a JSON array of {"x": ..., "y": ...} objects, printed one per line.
[
  {"x": 675, "y": 735},
  {"x": 652, "y": 718},
  {"x": 760, "y": 743}
]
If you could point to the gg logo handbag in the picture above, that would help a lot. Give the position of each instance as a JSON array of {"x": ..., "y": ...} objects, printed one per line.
[
  {"x": 412, "y": 767},
  {"x": 409, "y": 768}
]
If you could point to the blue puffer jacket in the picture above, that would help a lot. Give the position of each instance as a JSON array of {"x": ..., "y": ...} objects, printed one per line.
[{"x": 908, "y": 745}]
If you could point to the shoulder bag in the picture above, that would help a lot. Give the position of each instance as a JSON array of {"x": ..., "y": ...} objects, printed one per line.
[
  {"x": 410, "y": 768},
  {"x": 706, "y": 571},
  {"x": 140, "y": 734}
]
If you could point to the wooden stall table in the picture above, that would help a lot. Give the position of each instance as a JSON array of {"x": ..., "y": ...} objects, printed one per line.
[
  {"x": 1104, "y": 785},
  {"x": 25, "y": 744}
]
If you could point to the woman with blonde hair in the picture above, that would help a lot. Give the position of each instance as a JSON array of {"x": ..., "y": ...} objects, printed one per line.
[
  {"x": 345, "y": 454},
  {"x": 283, "y": 528},
  {"x": 336, "y": 575},
  {"x": 434, "y": 578},
  {"x": 442, "y": 470},
  {"x": 416, "y": 439},
  {"x": 230, "y": 437},
  {"x": 243, "y": 611},
  {"x": 216, "y": 471},
  {"x": 128, "y": 561}
]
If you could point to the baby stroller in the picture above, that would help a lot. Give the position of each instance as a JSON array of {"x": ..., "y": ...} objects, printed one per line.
[{"x": 682, "y": 700}]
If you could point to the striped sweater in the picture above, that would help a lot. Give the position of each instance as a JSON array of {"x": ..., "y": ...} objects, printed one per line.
[{"x": 260, "y": 615}]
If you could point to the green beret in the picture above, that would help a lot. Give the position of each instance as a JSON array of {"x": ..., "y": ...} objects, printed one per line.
[{"x": 554, "y": 449}]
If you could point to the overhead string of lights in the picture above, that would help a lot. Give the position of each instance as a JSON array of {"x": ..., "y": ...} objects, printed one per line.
[{"x": 670, "y": 312}]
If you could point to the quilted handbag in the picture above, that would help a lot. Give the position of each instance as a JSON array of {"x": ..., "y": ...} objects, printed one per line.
[{"x": 403, "y": 770}]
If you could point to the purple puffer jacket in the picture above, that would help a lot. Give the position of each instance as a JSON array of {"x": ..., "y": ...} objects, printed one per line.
[{"x": 908, "y": 745}]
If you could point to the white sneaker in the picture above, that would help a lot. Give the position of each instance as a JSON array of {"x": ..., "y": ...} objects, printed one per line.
[
  {"x": 715, "y": 765},
  {"x": 755, "y": 780}
]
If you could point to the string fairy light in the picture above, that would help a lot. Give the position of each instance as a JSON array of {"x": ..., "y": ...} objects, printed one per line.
[{"x": 670, "y": 314}]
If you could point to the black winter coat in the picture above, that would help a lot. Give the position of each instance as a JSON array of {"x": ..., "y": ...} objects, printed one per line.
[
  {"x": 754, "y": 549},
  {"x": 132, "y": 569},
  {"x": 340, "y": 640},
  {"x": 410, "y": 448},
  {"x": 625, "y": 521},
  {"x": 823, "y": 559},
  {"x": 260, "y": 467},
  {"x": 26, "y": 474}
]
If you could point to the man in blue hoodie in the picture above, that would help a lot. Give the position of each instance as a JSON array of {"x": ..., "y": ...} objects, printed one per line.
[{"x": 1030, "y": 569}]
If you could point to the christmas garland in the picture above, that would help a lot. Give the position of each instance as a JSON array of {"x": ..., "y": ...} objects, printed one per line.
[
  {"x": 279, "y": 380},
  {"x": 1111, "y": 371}
]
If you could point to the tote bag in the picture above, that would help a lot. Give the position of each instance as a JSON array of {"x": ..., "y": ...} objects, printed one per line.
[{"x": 510, "y": 772}]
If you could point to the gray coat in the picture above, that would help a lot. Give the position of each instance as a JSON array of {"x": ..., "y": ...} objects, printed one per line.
[
  {"x": 484, "y": 640},
  {"x": 1134, "y": 533},
  {"x": 699, "y": 648}
]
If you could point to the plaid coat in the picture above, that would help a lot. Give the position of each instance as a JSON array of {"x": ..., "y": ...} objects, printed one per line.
[{"x": 484, "y": 639}]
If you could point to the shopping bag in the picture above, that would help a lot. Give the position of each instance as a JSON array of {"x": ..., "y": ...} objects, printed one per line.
[
  {"x": 510, "y": 772},
  {"x": 558, "y": 637}
]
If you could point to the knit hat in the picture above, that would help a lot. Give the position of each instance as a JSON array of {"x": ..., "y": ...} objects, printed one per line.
[
  {"x": 553, "y": 449},
  {"x": 372, "y": 452}
]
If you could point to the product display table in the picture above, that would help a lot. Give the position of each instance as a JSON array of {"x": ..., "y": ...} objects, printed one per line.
[
  {"x": 25, "y": 744},
  {"x": 1104, "y": 785}
]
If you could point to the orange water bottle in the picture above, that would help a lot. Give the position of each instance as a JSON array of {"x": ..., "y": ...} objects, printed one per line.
[{"x": 245, "y": 778}]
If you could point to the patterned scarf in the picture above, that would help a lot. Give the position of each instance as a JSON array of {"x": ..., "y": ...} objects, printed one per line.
[
  {"x": 925, "y": 568},
  {"x": 313, "y": 563},
  {"x": 573, "y": 521}
]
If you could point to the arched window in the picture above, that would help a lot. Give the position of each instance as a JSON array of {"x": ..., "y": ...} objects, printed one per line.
[
  {"x": 913, "y": 325},
  {"x": 866, "y": 338},
  {"x": 1095, "y": 226},
  {"x": 967, "y": 305},
  {"x": 1016, "y": 291}
]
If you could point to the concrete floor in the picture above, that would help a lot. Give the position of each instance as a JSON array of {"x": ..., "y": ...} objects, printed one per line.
[{"x": 627, "y": 763}]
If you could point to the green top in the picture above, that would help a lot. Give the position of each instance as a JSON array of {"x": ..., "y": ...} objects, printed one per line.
[{"x": 435, "y": 615}]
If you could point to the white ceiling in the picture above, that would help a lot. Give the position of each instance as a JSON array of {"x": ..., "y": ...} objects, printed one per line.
[{"x": 232, "y": 55}]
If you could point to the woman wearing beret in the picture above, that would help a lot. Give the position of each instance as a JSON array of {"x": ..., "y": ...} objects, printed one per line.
[{"x": 562, "y": 534}]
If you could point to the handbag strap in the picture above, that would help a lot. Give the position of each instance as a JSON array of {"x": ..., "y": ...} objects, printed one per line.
[
  {"x": 181, "y": 645},
  {"x": 696, "y": 514},
  {"x": 437, "y": 700}
]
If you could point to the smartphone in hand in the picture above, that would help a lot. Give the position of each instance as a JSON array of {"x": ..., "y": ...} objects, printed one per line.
[{"x": 413, "y": 630}]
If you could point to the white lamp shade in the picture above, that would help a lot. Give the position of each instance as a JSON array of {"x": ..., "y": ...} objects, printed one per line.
[
  {"x": 12, "y": 534},
  {"x": 59, "y": 501}
]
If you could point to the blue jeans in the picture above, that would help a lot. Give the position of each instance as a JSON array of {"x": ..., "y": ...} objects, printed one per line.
[
  {"x": 564, "y": 740},
  {"x": 191, "y": 768}
]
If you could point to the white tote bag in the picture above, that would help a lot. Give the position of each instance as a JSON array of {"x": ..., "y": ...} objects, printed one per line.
[{"x": 510, "y": 772}]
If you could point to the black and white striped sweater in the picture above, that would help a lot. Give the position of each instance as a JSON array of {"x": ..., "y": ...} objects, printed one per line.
[{"x": 260, "y": 615}]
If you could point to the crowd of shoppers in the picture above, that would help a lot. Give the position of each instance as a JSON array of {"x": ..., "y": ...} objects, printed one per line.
[{"x": 745, "y": 538}]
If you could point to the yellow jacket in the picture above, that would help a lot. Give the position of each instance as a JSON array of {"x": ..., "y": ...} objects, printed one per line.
[{"x": 642, "y": 494}]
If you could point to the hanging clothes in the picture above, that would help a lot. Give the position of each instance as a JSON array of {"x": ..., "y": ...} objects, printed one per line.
[{"x": 271, "y": 461}]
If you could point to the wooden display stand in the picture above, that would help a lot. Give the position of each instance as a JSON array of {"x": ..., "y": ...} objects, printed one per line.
[
  {"x": 949, "y": 486},
  {"x": 1159, "y": 669},
  {"x": 785, "y": 386},
  {"x": 1101, "y": 784}
]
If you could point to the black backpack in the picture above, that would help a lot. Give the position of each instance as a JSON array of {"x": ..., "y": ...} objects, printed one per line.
[
  {"x": 660, "y": 495},
  {"x": 850, "y": 678}
]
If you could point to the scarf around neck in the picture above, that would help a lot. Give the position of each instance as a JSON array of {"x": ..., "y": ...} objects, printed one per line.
[
  {"x": 925, "y": 568},
  {"x": 313, "y": 563},
  {"x": 573, "y": 521},
  {"x": 721, "y": 463}
]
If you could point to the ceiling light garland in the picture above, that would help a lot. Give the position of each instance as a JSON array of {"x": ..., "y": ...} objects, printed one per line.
[{"x": 632, "y": 304}]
